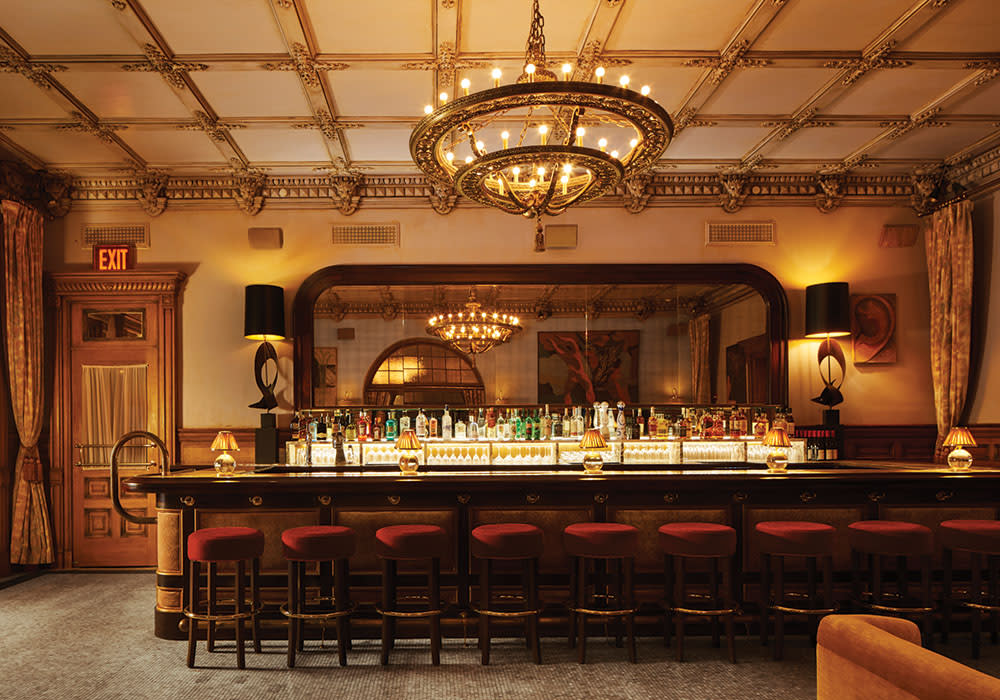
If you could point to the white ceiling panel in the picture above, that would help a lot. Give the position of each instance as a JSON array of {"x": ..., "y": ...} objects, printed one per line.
[
  {"x": 117, "y": 95},
  {"x": 822, "y": 25},
  {"x": 969, "y": 25},
  {"x": 21, "y": 98},
  {"x": 57, "y": 147},
  {"x": 282, "y": 145},
  {"x": 66, "y": 27},
  {"x": 172, "y": 146},
  {"x": 192, "y": 26},
  {"x": 934, "y": 142},
  {"x": 896, "y": 91},
  {"x": 499, "y": 27},
  {"x": 706, "y": 25},
  {"x": 372, "y": 26},
  {"x": 766, "y": 90},
  {"x": 375, "y": 144},
  {"x": 382, "y": 93},
  {"x": 253, "y": 94},
  {"x": 730, "y": 142},
  {"x": 822, "y": 143}
]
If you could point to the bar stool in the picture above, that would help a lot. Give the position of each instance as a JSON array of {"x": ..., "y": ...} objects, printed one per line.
[
  {"x": 608, "y": 542},
  {"x": 508, "y": 542},
  {"x": 396, "y": 543},
  {"x": 778, "y": 539},
  {"x": 713, "y": 541},
  {"x": 213, "y": 545},
  {"x": 893, "y": 538},
  {"x": 980, "y": 538},
  {"x": 317, "y": 544}
]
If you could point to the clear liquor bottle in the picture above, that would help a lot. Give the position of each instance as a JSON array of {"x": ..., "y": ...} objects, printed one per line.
[
  {"x": 446, "y": 425},
  {"x": 472, "y": 428},
  {"x": 420, "y": 424},
  {"x": 460, "y": 429}
]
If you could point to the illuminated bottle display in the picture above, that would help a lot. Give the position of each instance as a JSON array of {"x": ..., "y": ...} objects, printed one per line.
[
  {"x": 446, "y": 425},
  {"x": 459, "y": 429},
  {"x": 432, "y": 426},
  {"x": 651, "y": 423},
  {"x": 404, "y": 422}
]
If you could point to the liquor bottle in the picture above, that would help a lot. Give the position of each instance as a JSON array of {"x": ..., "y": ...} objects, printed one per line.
[
  {"x": 640, "y": 425},
  {"x": 661, "y": 427},
  {"x": 620, "y": 421},
  {"x": 404, "y": 422},
  {"x": 432, "y": 426},
  {"x": 460, "y": 429},
  {"x": 557, "y": 425},
  {"x": 760, "y": 425},
  {"x": 567, "y": 423},
  {"x": 779, "y": 420},
  {"x": 536, "y": 427},
  {"x": 420, "y": 424},
  {"x": 789, "y": 423},
  {"x": 472, "y": 429},
  {"x": 631, "y": 427},
  {"x": 321, "y": 428},
  {"x": 580, "y": 423},
  {"x": 378, "y": 427},
  {"x": 390, "y": 426},
  {"x": 529, "y": 425},
  {"x": 446, "y": 425},
  {"x": 546, "y": 431},
  {"x": 491, "y": 424},
  {"x": 295, "y": 425},
  {"x": 350, "y": 430},
  {"x": 651, "y": 423},
  {"x": 501, "y": 428}
]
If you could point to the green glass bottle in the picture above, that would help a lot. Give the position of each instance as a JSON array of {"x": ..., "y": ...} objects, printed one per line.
[{"x": 390, "y": 427}]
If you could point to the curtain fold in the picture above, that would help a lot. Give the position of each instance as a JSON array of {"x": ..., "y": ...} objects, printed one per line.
[
  {"x": 113, "y": 403},
  {"x": 701, "y": 377},
  {"x": 948, "y": 240},
  {"x": 31, "y": 531}
]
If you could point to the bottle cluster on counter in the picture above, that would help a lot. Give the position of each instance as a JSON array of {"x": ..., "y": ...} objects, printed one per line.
[{"x": 539, "y": 435}]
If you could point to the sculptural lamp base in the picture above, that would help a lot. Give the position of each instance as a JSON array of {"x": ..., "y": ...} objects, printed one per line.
[
  {"x": 225, "y": 465},
  {"x": 959, "y": 459},
  {"x": 408, "y": 464},
  {"x": 593, "y": 463},
  {"x": 776, "y": 461}
]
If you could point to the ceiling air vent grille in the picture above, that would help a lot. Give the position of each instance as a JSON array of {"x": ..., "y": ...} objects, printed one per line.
[
  {"x": 739, "y": 233},
  {"x": 116, "y": 234},
  {"x": 366, "y": 234}
]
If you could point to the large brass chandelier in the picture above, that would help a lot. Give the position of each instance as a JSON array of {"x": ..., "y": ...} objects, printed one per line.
[
  {"x": 550, "y": 162},
  {"x": 474, "y": 330}
]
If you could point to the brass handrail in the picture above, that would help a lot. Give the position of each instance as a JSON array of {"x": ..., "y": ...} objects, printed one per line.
[{"x": 115, "y": 494}]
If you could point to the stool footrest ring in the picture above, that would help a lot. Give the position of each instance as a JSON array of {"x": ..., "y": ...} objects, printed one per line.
[
  {"x": 604, "y": 612},
  {"x": 709, "y": 613},
  {"x": 253, "y": 608},
  {"x": 324, "y": 615},
  {"x": 898, "y": 608},
  {"x": 507, "y": 613},
  {"x": 414, "y": 613},
  {"x": 804, "y": 611},
  {"x": 981, "y": 606}
]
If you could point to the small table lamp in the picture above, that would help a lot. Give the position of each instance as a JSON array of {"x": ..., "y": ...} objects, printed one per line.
[
  {"x": 777, "y": 439},
  {"x": 959, "y": 458},
  {"x": 224, "y": 463},
  {"x": 828, "y": 316},
  {"x": 593, "y": 442},
  {"x": 409, "y": 445}
]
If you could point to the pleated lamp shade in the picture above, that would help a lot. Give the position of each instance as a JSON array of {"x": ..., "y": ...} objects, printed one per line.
[
  {"x": 777, "y": 437},
  {"x": 593, "y": 440}
]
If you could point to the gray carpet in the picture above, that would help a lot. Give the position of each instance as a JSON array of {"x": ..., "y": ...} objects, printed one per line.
[{"x": 90, "y": 636}]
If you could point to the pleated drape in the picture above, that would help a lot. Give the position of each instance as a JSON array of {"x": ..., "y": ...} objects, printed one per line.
[
  {"x": 701, "y": 370},
  {"x": 948, "y": 239},
  {"x": 31, "y": 530}
]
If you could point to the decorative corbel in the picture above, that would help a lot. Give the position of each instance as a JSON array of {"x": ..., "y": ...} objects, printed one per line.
[
  {"x": 637, "y": 191},
  {"x": 925, "y": 183},
  {"x": 733, "y": 193},
  {"x": 56, "y": 189},
  {"x": 344, "y": 192},
  {"x": 443, "y": 196},
  {"x": 152, "y": 191},
  {"x": 829, "y": 192},
  {"x": 249, "y": 190}
]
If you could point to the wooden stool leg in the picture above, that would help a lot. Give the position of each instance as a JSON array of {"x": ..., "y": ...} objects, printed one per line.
[
  {"x": 300, "y": 635},
  {"x": 668, "y": 597},
  {"x": 388, "y": 603},
  {"x": 902, "y": 581},
  {"x": 729, "y": 601},
  {"x": 764, "y": 596},
  {"x": 856, "y": 580},
  {"x": 435, "y": 596},
  {"x": 946, "y": 602},
  {"x": 575, "y": 602},
  {"x": 876, "y": 567},
  {"x": 713, "y": 592},
  {"x": 341, "y": 604},
  {"x": 779, "y": 599},
  {"x": 193, "y": 603},
  {"x": 629, "y": 584},
  {"x": 213, "y": 595},
  {"x": 679, "y": 567},
  {"x": 828, "y": 601},
  {"x": 293, "y": 607},
  {"x": 811, "y": 620},
  {"x": 619, "y": 577},
  {"x": 994, "y": 588},
  {"x": 484, "y": 604},
  {"x": 238, "y": 594},
  {"x": 975, "y": 596},
  {"x": 581, "y": 598},
  {"x": 531, "y": 595},
  {"x": 255, "y": 597},
  {"x": 926, "y": 600}
]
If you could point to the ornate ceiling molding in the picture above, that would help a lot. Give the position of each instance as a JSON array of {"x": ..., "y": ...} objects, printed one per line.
[
  {"x": 38, "y": 73},
  {"x": 925, "y": 183},
  {"x": 50, "y": 192},
  {"x": 905, "y": 126},
  {"x": 442, "y": 197},
  {"x": 445, "y": 64},
  {"x": 305, "y": 65},
  {"x": 876, "y": 59},
  {"x": 328, "y": 125},
  {"x": 729, "y": 61},
  {"x": 104, "y": 131},
  {"x": 830, "y": 192},
  {"x": 991, "y": 69},
  {"x": 686, "y": 118},
  {"x": 803, "y": 120},
  {"x": 593, "y": 56},
  {"x": 215, "y": 129},
  {"x": 151, "y": 188},
  {"x": 636, "y": 192},
  {"x": 247, "y": 187},
  {"x": 172, "y": 71},
  {"x": 344, "y": 191}
]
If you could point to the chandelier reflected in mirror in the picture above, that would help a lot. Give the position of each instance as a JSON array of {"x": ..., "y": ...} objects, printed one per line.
[
  {"x": 529, "y": 147},
  {"x": 474, "y": 330}
]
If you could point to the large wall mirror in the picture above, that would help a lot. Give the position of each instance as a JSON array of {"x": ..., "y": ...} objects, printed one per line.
[{"x": 643, "y": 334}]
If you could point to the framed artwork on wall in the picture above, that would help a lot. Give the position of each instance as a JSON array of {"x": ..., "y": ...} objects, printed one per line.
[
  {"x": 873, "y": 328},
  {"x": 325, "y": 376},
  {"x": 576, "y": 367}
]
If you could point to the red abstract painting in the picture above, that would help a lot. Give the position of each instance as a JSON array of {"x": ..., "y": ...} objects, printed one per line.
[{"x": 575, "y": 367}]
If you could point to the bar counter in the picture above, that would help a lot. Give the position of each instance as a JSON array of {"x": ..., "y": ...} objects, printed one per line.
[{"x": 459, "y": 499}]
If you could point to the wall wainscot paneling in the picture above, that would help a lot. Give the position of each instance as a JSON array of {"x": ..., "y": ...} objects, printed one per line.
[{"x": 912, "y": 443}]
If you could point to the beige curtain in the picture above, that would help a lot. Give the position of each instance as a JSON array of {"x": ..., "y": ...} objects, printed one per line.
[
  {"x": 31, "y": 531},
  {"x": 114, "y": 403},
  {"x": 701, "y": 371},
  {"x": 948, "y": 240}
]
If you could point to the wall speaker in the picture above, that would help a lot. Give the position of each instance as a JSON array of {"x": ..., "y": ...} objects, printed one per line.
[{"x": 266, "y": 238}]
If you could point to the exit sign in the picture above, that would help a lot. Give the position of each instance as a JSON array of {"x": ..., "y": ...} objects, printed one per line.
[{"x": 113, "y": 258}]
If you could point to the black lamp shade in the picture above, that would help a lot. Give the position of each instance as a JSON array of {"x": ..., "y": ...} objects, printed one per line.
[
  {"x": 828, "y": 312},
  {"x": 264, "y": 312}
]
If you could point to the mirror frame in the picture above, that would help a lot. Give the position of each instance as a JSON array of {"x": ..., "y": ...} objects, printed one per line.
[{"x": 759, "y": 279}]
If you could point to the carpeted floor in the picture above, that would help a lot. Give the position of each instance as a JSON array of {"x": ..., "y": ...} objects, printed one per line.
[{"x": 90, "y": 636}]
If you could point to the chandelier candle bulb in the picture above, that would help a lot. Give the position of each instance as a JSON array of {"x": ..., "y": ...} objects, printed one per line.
[
  {"x": 564, "y": 180},
  {"x": 623, "y": 81},
  {"x": 566, "y": 70},
  {"x": 599, "y": 73},
  {"x": 465, "y": 86},
  {"x": 530, "y": 70},
  {"x": 644, "y": 90},
  {"x": 580, "y": 132},
  {"x": 543, "y": 132},
  {"x": 603, "y": 143},
  {"x": 496, "y": 77},
  {"x": 443, "y": 97},
  {"x": 516, "y": 172},
  {"x": 505, "y": 137},
  {"x": 428, "y": 109},
  {"x": 468, "y": 159}
]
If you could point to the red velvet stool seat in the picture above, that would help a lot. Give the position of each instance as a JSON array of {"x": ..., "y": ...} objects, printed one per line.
[
  {"x": 396, "y": 543},
  {"x": 601, "y": 546},
  {"x": 319, "y": 545},
  {"x": 215, "y": 545},
  {"x": 715, "y": 542},
  {"x": 777, "y": 540},
  {"x": 980, "y": 539},
  {"x": 508, "y": 542},
  {"x": 875, "y": 539}
]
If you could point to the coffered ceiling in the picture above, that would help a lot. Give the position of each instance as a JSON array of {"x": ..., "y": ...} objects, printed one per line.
[{"x": 299, "y": 102}]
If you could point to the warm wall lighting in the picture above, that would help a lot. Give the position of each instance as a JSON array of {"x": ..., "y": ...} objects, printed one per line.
[{"x": 959, "y": 459}]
